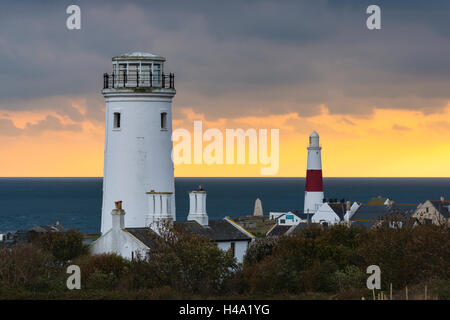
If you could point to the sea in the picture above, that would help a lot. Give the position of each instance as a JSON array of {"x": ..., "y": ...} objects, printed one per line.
[{"x": 76, "y": 202}]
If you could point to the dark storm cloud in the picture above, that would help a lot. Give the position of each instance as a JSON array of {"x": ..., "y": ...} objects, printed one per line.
[{"x": 234, "y": 58}]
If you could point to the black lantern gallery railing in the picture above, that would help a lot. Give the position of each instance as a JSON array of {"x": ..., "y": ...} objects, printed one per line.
[{"x": 138, "y": 80}]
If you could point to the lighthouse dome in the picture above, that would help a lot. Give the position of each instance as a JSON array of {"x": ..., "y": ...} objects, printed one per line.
[
  {"x": 139, "y": 56},
  {"x": 314, "y": 135}
]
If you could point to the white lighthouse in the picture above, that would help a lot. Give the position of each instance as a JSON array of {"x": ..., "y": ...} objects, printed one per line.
[
  {"x": 138, "y": 168},
  {"x": 314, "y": 185}
]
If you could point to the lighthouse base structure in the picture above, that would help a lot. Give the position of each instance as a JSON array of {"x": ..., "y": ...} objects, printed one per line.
[
  {"x": 137, "y": 154},
  {"x": 313, "y": 200}
]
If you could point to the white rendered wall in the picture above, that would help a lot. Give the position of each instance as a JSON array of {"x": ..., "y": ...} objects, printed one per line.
[
  {"x": 240, "y": 248},
  {"x": 138, "y": 155},
  {"x": 288, "y": 222},
  {"x": 119, "y": 242},
  {"x": 325, "y": 214}
]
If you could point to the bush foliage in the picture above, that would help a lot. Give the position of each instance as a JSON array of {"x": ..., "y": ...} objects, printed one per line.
[{"x": 317, "y": 262}]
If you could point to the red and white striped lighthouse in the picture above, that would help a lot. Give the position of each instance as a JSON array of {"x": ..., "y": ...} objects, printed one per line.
[{"x": 314, "y": 185}]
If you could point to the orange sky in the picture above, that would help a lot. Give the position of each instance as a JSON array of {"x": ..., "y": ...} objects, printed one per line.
[{"x": 388, "y": 143}]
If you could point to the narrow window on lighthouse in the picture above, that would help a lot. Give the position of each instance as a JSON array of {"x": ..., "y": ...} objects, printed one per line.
[
  {"x": 163, "y": 120},
  {"x": 116, "y": 120}
]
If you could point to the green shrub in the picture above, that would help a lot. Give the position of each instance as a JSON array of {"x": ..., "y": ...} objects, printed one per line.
[
  {"x": 26, "y": 266},
  {"x": 64, "y": 246}
]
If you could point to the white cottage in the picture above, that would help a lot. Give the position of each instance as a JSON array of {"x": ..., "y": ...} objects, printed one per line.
[
  {"x": 130, "y": 242},
  {"x": 332, "y": 213}
]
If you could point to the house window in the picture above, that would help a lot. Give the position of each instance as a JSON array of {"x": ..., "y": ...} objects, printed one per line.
[
  {"x": 116, "y": 120},
  {"x": 426, "y": 209},
  {"x": 233, "y": 248},
  {"x": 282, "y": 221},
  {"x": 163, "y": 120}
]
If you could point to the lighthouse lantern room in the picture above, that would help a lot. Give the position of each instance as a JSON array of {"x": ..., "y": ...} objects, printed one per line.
[{"x": 138, "y": 139}]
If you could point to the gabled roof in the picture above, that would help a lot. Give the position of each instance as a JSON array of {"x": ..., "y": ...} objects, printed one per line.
[
  {"x": 217, "y": 230},
  {"x": 300, "y": 227},
  {"x": 144, "y": 235},
  {"x": 367, "y": 215},
  {"x": 442, "y": 207},
  {"x": 278, "y": 230},
  {"x": 338, "y": 208}
]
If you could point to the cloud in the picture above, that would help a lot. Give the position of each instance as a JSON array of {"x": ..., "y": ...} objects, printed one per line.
[
  {"x": 7, "y": 128},
  {"x": 50, "y": 123},
  {"x": 400, "y": 128},
  {"x": 232, "y": 58}
]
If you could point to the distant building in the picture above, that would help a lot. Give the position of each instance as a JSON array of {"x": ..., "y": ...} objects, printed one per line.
[
  {"x": 433, "y": 212},
  {"x": 27, "y": 235},
  {"x": 379, "y": 201},
  {"x": 278, "y": 230},
  {"x": 288, "y": 219},
  {"x": 283, "y": 230},
  {"x": 373, "y": 215},
  {"x": 275, "y": 215},
  {"x": 335, "y": 212}
]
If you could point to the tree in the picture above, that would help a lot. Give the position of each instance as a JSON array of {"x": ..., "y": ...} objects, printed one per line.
[{"x": 64, "y": 246}]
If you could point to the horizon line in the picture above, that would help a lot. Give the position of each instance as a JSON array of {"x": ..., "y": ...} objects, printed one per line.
[{"x": 231, "y": 177}]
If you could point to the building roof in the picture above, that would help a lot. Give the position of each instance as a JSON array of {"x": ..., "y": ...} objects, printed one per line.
[
  {"x": 144, "y": 235},
  {"x": 139, "y": 56},
  {"x": 368, "y": 215},
  {"x": 442, "y": 206},
  {"x": 41, "y": 229},
  {"x": 301, "y": 226},
  {"x": 339, "y": 208},
  {"x": 377, "y": 201},
  {"x": 217, "y": 230},
  {"x": 278, "y": 230}
]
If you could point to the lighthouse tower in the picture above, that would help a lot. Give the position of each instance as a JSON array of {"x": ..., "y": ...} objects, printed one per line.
[
  {"x": 138, "y": 169},
  {"x": 314, "y": 186}
]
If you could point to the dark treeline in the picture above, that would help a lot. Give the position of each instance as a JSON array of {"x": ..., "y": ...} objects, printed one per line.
[{"x": 323, "y": 263}]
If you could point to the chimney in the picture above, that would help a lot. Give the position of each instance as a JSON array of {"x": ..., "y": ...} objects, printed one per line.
[
  {"x": 442, "y": 199},
  {"x": 347, "y": 206},
  {"x": 197, "y": 207},
  {"x": 118, "y": 216},
  {"x": 160, "y": 208}
]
